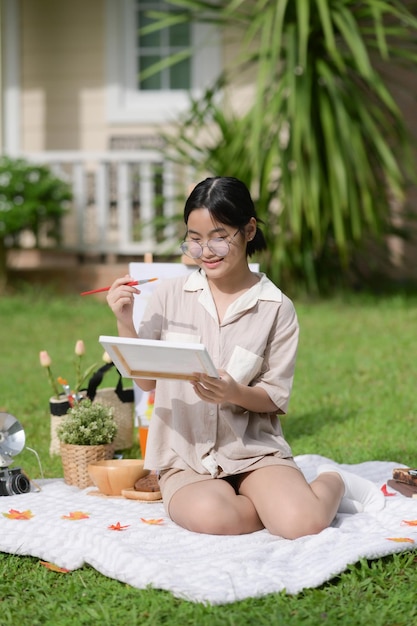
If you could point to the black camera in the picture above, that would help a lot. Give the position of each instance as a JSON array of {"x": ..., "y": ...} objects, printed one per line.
[{"x": 13, "y": 481}]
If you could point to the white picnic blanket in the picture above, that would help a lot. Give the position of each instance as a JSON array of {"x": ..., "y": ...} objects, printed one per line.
[{"x": 67, "y": 527}]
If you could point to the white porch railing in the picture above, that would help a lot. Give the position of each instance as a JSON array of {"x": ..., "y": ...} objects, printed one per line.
[{"x": 117, "y": 198}]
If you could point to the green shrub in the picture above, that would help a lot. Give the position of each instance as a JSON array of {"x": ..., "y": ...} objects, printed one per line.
[
  {"x": 88, "y": 424},
  {"x": 30, "y": 195}
]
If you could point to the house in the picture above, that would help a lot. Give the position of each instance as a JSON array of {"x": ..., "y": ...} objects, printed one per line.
[{"x": 71, "y": 97}]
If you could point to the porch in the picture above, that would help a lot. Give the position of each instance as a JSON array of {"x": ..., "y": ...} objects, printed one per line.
[{"x": 125, "y": 203}]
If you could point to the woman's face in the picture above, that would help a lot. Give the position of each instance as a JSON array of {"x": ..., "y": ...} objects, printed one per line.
[{"x": 227, "y": 252}]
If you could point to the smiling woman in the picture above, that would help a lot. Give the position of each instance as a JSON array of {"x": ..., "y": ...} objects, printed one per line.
[{"x": 225, "y": 467}]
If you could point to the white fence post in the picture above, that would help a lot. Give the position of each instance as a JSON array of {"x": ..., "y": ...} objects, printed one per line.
[{"x": 125, "y": 215}]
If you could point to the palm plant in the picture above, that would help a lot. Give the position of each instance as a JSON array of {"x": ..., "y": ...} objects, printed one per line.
[{"x": 323, "y": 144}]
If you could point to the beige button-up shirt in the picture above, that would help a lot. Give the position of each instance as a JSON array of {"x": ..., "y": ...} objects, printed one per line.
[{"x": 256, "y": 343}]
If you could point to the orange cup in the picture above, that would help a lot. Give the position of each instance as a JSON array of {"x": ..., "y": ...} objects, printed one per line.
[{"x": 143, "y": 436}]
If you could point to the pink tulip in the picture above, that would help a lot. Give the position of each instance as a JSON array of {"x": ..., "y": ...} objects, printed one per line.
[
  {"x": 45, "y": 361},
  {"x": 44, "y": 358},
  {"x": 106, "y": 357},
  {"x": 80, "y": 348}
]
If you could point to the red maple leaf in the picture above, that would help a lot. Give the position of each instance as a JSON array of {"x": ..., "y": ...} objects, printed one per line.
[
  {"x": 118, "y": 526},
  {"x": 14, "y": 514}
]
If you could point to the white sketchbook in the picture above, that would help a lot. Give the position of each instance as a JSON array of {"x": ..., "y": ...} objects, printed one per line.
[{"x": 148, "y": 358}]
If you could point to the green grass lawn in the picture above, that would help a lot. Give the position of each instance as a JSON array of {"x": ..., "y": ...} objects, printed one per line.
[{"x": 354, "y": 400}]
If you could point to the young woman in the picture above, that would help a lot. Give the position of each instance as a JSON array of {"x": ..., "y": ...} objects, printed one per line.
[{"x": 224, "y": 465}]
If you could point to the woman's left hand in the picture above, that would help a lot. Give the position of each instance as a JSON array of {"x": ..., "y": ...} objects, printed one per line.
[{"x": 215, "y": 390}]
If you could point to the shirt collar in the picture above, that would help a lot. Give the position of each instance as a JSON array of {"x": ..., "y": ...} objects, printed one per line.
[{"x": 262, "y": 290}]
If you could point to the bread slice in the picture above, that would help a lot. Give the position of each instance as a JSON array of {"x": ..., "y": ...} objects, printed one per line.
[
  {"x": 146, "y": 488},
  {"x": 147, "y": 483}
]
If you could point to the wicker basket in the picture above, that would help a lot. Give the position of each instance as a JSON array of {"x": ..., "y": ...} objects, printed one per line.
[
  {"x": 123, "y": 415},
  {"x": 76, "y": 459}
]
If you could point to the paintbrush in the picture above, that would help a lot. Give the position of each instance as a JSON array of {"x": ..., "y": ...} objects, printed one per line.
[{"x": 131, "y": 284}]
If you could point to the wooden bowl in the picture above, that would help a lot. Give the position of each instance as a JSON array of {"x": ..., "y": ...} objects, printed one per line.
[{"x": 115, "y": 475}]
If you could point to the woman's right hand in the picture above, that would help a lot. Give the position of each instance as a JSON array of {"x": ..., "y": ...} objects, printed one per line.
[{"x": 120, "y": 299}]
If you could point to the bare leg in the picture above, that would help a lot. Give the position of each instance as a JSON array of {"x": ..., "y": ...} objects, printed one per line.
[
  {"x": 287, "y": 505},
  {"x": 213, "y": 507},
  {"x": 277, "y": 498}
]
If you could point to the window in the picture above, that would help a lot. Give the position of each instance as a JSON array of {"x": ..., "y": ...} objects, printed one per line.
[
  {"x": 154, "y": 47},
  {"x": 159, "y": 97}
]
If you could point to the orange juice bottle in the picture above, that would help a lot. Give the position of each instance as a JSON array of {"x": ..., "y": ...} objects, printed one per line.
[{"x": 143, "y": 428}]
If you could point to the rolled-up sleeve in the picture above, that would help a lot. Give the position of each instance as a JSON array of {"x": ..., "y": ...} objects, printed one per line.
[{"x": 277, "y": 373}]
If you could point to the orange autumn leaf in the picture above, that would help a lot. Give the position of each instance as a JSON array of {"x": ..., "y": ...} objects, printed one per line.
[
  {"x": 411, "y": 522},
  {"x": 118, "y": 526},
  {"x": 54, "y": 568},
  {"x": 14, "y": 514},
  {"x": 385, "y": 491},
  {"x": 401, "y": 539},
  {"x": 76, "y": 515},
  {"x": 152, "y": 521}
]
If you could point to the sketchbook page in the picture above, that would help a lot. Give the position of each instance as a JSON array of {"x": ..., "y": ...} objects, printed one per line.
[
  {"x": 147, "y": 358},
  {"x": 140, "y": 271}
]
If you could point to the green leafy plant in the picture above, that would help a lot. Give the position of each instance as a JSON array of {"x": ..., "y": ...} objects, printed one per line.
[
  {"x": 322, "y": 142},
  {"x": 88, "y": 424},
  {"x": 31, "y": 196}
]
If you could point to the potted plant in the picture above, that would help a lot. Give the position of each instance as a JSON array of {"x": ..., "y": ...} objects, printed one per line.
[
  {"x": 63, "y": 395},
  {"x": 86, "y": 434}
]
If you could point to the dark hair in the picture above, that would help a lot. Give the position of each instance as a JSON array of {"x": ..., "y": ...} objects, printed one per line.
[{"x": 229, "y": 202}]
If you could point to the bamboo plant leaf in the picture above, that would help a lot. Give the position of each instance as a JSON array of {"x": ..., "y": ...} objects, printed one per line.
[{"x": 322, "y": 143}]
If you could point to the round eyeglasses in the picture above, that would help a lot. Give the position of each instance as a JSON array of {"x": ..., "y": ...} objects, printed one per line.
[{"x": 219, "y": 246}]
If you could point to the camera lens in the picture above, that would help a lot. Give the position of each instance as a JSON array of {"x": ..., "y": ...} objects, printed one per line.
[{"x": 20, "y": 484}]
